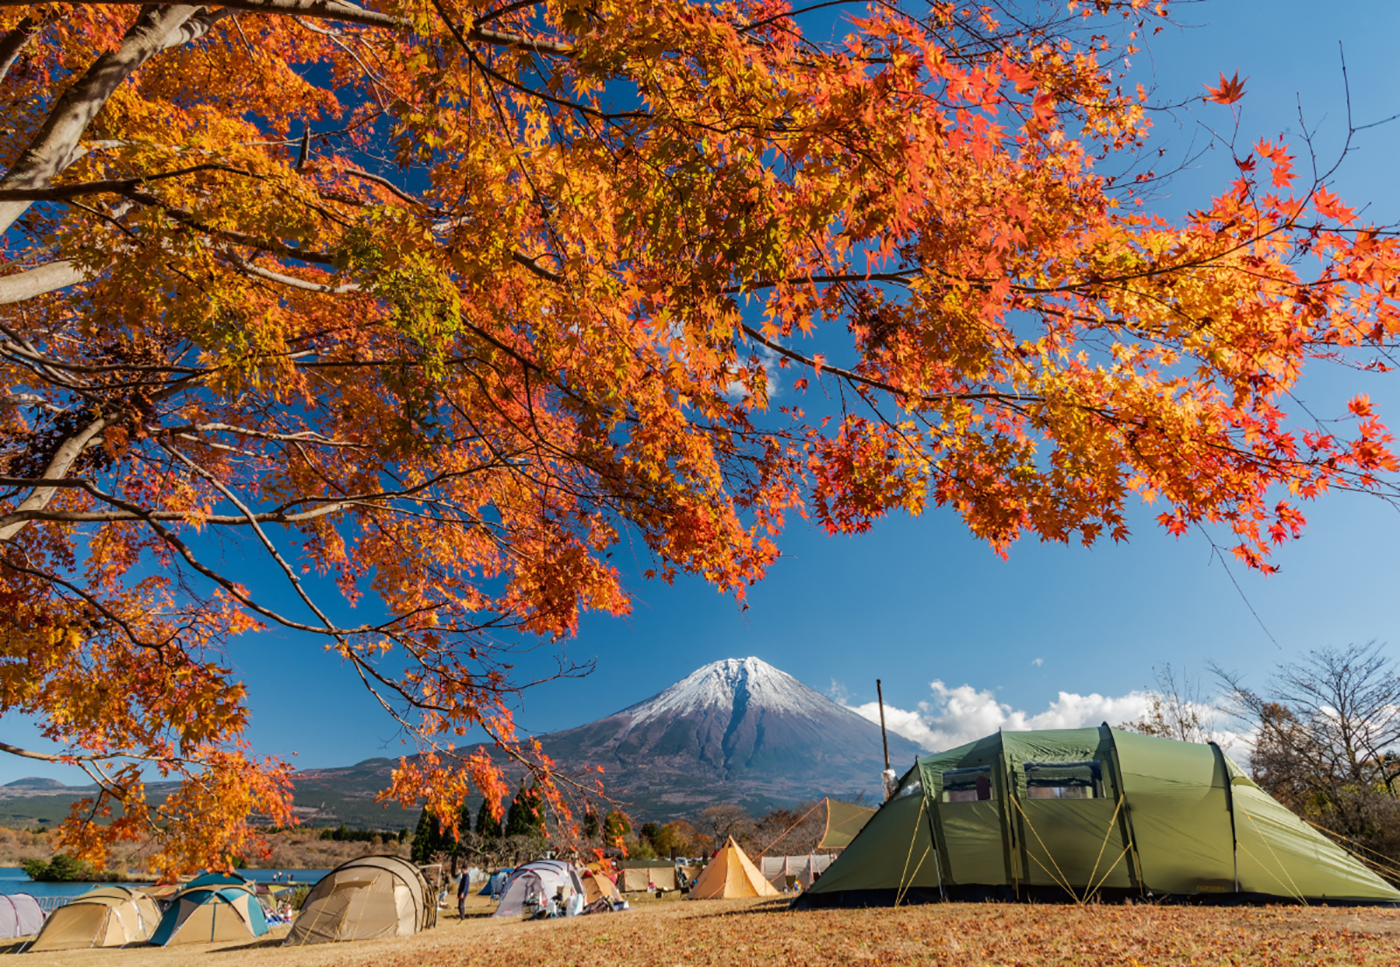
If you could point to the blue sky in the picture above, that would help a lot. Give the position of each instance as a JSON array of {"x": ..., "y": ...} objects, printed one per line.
[{"x": 919, "y": 600}]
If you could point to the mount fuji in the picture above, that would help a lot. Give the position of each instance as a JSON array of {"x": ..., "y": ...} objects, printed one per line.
[{"x": 737, "y": 730}]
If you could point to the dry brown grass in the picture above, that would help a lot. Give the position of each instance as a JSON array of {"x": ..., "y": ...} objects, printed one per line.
[{"x": 764, "y": 932}]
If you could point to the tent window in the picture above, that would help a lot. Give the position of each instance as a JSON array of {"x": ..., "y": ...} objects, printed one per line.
[
  {"x": 910, "y": 789},
  {"x": 968, "y": 785},
  {"x": 1064, "y": 780}
]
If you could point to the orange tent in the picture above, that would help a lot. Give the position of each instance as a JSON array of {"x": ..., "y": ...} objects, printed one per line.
[{"x": 731, "y": 875}]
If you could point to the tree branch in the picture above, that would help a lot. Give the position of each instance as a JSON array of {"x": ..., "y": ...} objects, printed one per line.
[
  {"x": 67, "y": 454},
  {"x": 32, "y": 283},
  {"x": 56, "y": 146}
]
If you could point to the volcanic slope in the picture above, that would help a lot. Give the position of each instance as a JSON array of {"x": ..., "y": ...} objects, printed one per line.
[{"x": 737, "y": 730}]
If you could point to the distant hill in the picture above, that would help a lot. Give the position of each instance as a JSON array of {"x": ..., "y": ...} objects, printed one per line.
[{"x": 737, "y": 730}]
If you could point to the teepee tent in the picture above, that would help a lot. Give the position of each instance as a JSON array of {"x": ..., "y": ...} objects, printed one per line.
[
  {"x": 730, "y": 875},
  {"x": 1082, "y": 812},
  {"x": 368, "y": 897},
  {"x": 110, "y": 916},
  {"x": 20, "y": 916},
  {"x": 211, "y": 914}
]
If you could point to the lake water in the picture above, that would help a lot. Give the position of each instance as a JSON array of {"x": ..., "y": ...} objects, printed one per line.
[{"x": 15, "y": 880}]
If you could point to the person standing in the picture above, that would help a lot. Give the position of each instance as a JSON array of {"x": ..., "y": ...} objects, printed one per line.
[{"x": 464, "y": 883}]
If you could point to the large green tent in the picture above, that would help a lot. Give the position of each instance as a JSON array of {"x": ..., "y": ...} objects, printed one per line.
[{"x": 1084, "y": 812}]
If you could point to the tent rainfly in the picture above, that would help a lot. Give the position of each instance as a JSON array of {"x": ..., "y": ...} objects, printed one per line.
[
  {"x": 365, "y": 898},
  {"x": 110, "y": 916},
  {"x": 844, "y": 821},
  {"x": 211, "y": 914},
  {"x": 535, "y": 883},
  {"x": 731, "y": 875},
  {"x": 1039, "y": 815},
  {"x": 20, "y": 916}
]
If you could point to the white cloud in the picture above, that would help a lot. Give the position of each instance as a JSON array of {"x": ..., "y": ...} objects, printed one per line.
[
  {"x": 1038, "y": 662},
  {"x": 839, "y": 693},
  {"x": 954, "y": 716}
]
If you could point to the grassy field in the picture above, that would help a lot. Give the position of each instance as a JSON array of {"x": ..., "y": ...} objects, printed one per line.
[{"x": 669, "y": 934}]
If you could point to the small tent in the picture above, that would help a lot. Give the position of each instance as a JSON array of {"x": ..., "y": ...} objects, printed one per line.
[
  {"x": 634, "y": 879},
  {"x": 211, "y": 914},
  {"x": 598, "y": 886},
  {"x": 730, "y": 875},
  {"x": 20, "y": 916},
  {"x": 1083, "y": 812},
  {"x": 535, "y": 883},
  {"x": 496, "y": 883},
  {"x": 110, "y": 916},
  {"x": 368, "y": 897}
]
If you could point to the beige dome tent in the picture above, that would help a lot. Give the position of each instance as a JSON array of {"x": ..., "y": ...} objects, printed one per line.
[
  {"x": 368, "y": 897},
  {"x": 597, "y": 886},
  {"x": 110, "y": 916},
  {"x": 731, "y": 875}
]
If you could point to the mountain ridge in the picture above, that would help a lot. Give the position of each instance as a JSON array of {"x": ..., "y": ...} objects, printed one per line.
[{"x": 735, "y": 730}]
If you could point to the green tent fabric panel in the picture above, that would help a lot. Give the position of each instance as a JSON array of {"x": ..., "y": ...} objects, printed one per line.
[
  {"x": 843, "y": 821},
  {"x": 1079, "y": 840},
  {"x": 1282, "y": 855},
  {"x": 1056, "y": 745},
  {"x": 972, "y": 835},
  {"x": 893, "y": 850},
  {"x": 1180, "y": 813}
]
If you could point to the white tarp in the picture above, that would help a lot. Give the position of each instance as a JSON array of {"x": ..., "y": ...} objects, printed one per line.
[
  {"x": 534, "y": 884},
  {"x": 776, "y": 869}
]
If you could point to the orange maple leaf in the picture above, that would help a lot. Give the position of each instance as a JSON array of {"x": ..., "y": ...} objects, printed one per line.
[{"x": 1228, "y": 92}]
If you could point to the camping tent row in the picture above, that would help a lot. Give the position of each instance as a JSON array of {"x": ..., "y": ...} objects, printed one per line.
[
  {"x": 366, "y": 898},
  {"x": 210, "y": 908},
  {"x": 1050, "y": 813}
]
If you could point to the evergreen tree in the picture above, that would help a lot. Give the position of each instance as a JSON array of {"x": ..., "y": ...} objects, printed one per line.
[
  {"x": 429, "y": 839},
  {"x": 526, "y": 816},
  {"x": 487, "y": 825}
]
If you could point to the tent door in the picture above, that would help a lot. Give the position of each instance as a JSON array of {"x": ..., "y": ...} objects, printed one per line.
[{"x": 1070, "y": 832}]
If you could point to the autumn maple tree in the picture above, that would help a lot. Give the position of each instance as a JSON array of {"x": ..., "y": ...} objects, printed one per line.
[{"x": 426, "y": 306}]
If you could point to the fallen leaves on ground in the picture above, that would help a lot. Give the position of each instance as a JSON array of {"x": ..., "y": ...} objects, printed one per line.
[{"x": 744, "y": 932}]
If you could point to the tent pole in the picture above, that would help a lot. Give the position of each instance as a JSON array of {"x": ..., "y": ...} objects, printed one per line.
[{"x": 880, "y": 695}]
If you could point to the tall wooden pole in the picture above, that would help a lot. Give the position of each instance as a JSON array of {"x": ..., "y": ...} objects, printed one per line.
[{"x": 883, "y": 737}]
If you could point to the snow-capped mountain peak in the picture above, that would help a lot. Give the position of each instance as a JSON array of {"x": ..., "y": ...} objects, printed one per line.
[{"x": 744, "y": 683}]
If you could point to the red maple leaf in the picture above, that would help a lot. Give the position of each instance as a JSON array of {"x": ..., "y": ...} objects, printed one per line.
[{"x": 1228, "y": 92}]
